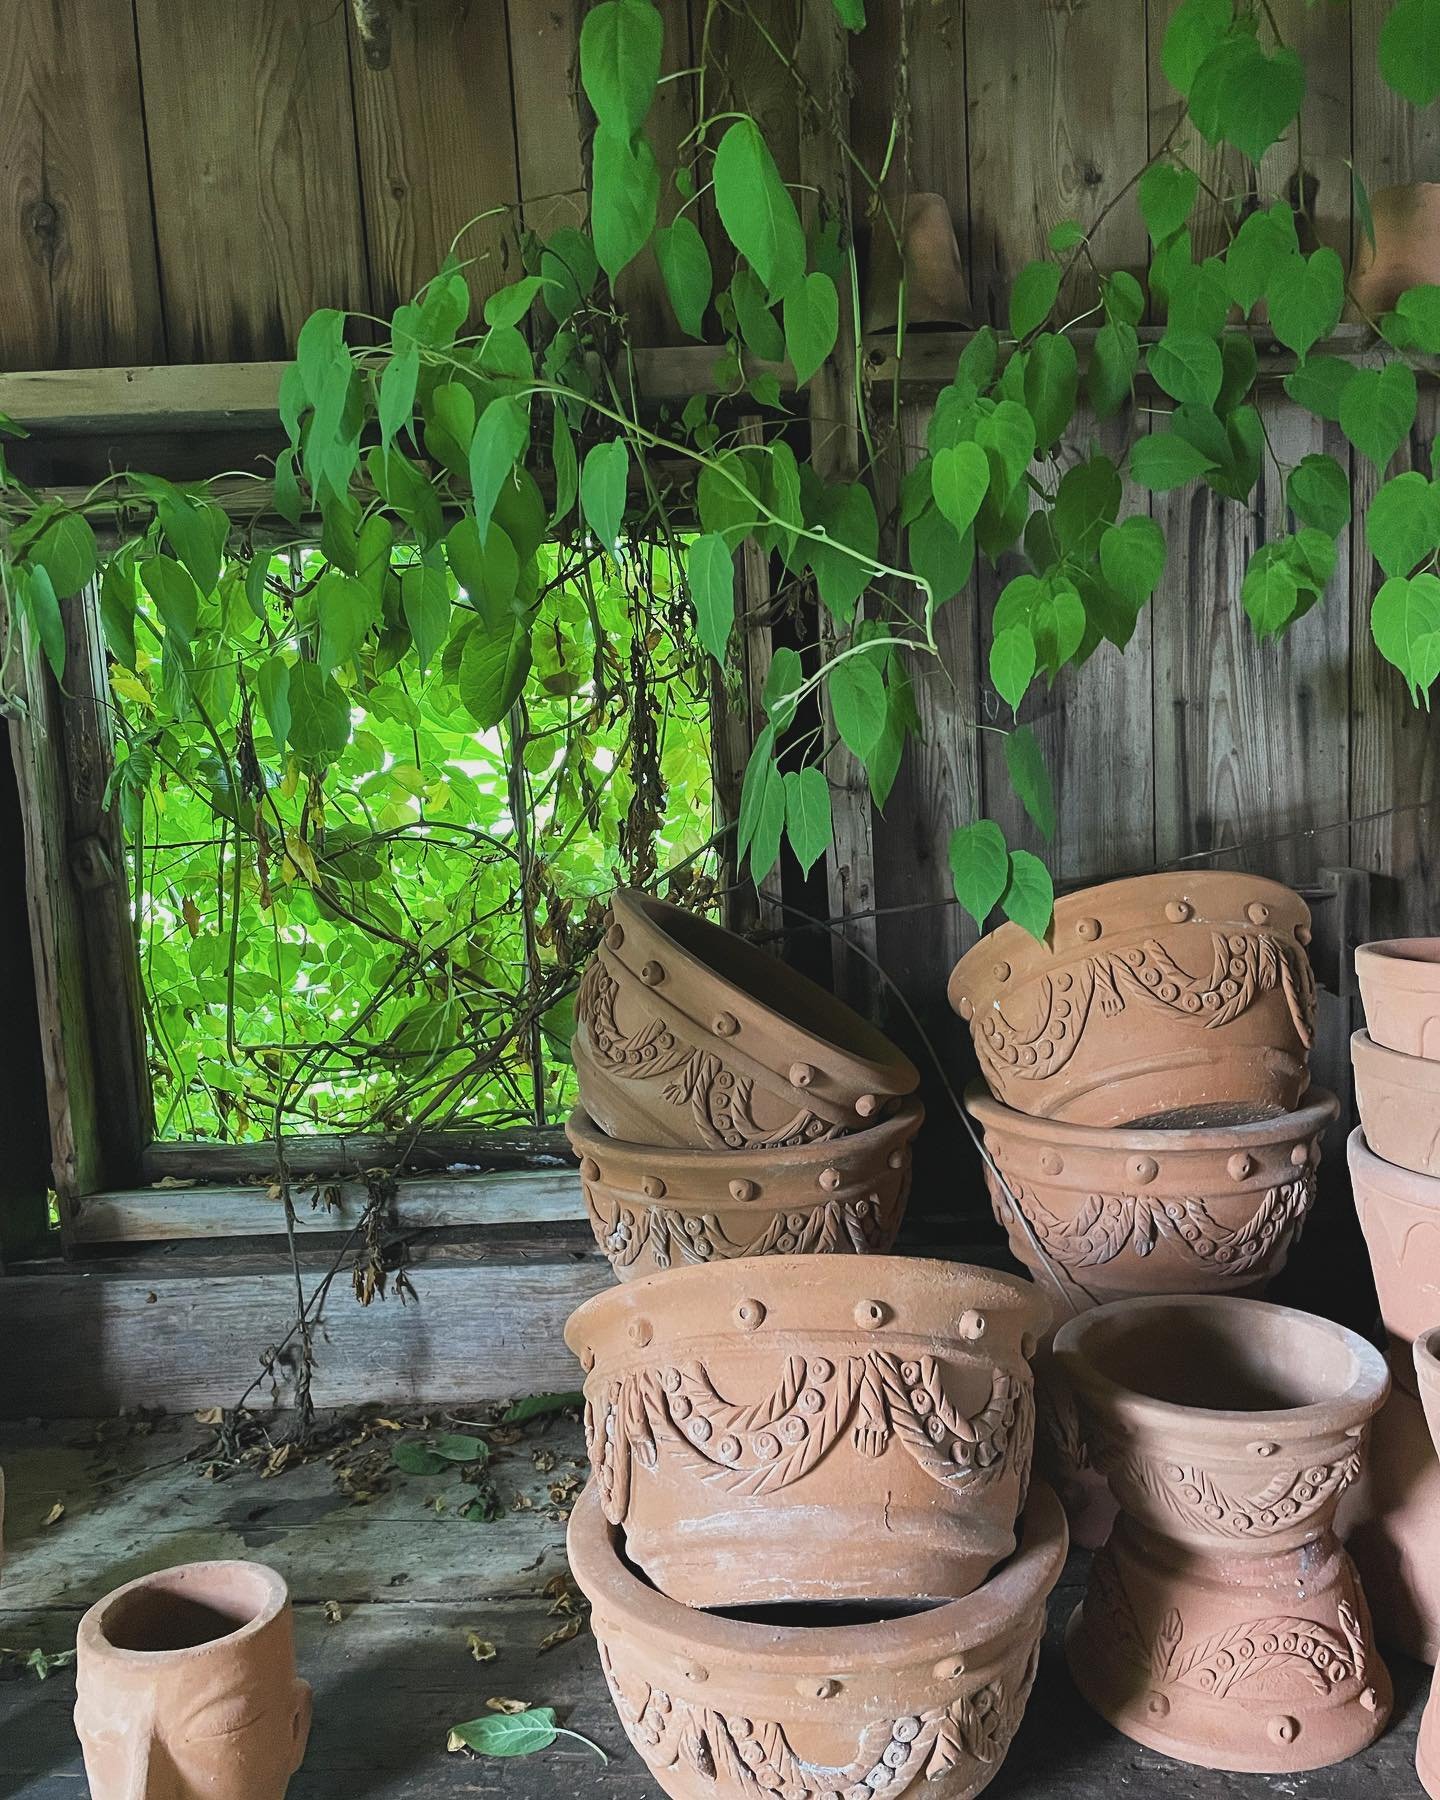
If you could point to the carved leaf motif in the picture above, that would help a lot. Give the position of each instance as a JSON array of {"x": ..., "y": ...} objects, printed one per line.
[
  {"x": 1281, "y": 1655},
  {"x": 960, "y": 1452},
  {"x": 1195, "y": 1496},
  {"x": 1167, "y": 1641}
]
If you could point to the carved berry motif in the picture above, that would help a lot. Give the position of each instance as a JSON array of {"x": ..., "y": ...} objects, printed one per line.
[
  {"x": 1195, "y": 1497},
  {"x": 625, "y": 1231}
]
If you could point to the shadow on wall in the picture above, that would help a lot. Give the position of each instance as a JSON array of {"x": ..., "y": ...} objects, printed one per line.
[{"x": 25, "y": 1166}]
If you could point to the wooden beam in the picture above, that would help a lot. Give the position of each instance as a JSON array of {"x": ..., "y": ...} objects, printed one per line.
[{"x": 351, "y": 1154}]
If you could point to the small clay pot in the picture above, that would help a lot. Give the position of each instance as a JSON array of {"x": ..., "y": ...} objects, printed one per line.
[
  {"x": 186, "y": 1687},
  {"x": 1406, "y": 252},
  {"x": 745, "y": 1418},
  {"x": 687, "y": 1035},
  {"x": 1223, "y": 1624},
  {"x": 827, "y": 1707},
  {"x": 1400, "y": 1216},
  {"x": 1109, "y": 1213},
  {"x": 936, "y": 297},
  {"x": 1390, "y": 1521},
  {"x": 1427, "y": 1751},
  {"x": 1400, "y": 988},
  {"x": 656, "y": 1209},
  {"x": 1162, "y": 1000},
  {"x": 1399, "y": 1101}
]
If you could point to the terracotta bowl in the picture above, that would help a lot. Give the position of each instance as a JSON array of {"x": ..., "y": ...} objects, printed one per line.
[
  {"x": 745, "y": 1418},
  {"x": 653, "y": 1209},
  {"x": 1427, "y": 1753},
  {"x": 1399, "y": 1101},
  {"x": 1167, "y": 999},
  {"x": 1223, "y": 1624},
  {"x": 1406, "y": 251},
  {"x": 687, "y": 1035},
  {"x": 778, "y": 1701},
  {"x": 1400, "y": 1216},
  {"x": 1110, "y": 1213},
  {"x": 1400, "y": 988}
]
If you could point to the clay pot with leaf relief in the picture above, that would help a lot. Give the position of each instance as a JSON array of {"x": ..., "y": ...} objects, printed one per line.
[
  {"x": 812, "y": 1428},
  {"x": 1400, "y": 988},
  {"x": 1223, "y": 1624},
  {"x": 658, "y": 1209},
  {"x": 1106, "y": 1213},
  {"x": 1162, "y": 1000},
  {"x": 1427, "y": 1373},
  {"x": 186, "y": 1686},
  {"x": 820, "y": 1705},
  {"x": 687, "y": 1035}
]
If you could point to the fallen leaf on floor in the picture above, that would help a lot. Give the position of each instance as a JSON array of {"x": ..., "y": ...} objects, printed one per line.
[
  {"x": 212, "y": 1415},
  {"x": 565, "y": 1598},
  {"x": 55, "y": 1514},
  {"x": 331, "y": 1609},
  {"x": 40, "y": 1663},
  {"x": 540, "y": 1406},
  {"x": 497, "y": 1704},
  {"x": 562, "y": 1634},
  {"x": 480, "y": 1648},
  {"x": 520, "y": 1734},
  {"x": 544, "y": 1460},
  {"x": 174, "y": 1181}
]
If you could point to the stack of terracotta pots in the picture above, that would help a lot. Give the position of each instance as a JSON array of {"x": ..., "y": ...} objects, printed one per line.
[
  {"x": 729, "y": 1107},
  {"x": 1394, "y": 1515}
]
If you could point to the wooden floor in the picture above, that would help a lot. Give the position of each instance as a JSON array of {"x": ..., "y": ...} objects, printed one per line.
[{"x": 408, "y": 1580}]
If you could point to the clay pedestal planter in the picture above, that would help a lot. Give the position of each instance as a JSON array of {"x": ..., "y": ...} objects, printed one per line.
[
  {"x": 1400, "y": 1216},
  {"x": 1109, "y": 1213},
  {"x": 186, "y": 1687},
  {"x": 720, "y": 1708},
  {"x": 1406, "y": 251},
  {"x": 808, "y": 1428},
  {"x": 1167, "y": 999},
  {"x": 1427, "y": 1370},
  {"x": 656, "y": 1209},
  {"x": 1400, "y": 988},
  {"x": 1399, "y": 1101},
  {"x": 1223, "y": 1624},
  {"x": 687, "y": 1035}
]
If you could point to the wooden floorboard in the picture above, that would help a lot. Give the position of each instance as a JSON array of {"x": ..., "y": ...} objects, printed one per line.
[{"x": 395, "y": 1672}]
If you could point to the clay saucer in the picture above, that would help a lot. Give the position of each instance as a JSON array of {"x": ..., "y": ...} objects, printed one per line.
[
  {"x": 1400, "y": 987},
  {"x": 1164, "y": 999},
  {"x": 820, "y": 1707}
]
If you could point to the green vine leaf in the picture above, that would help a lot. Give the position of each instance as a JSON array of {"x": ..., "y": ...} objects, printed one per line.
[
  {"x": 769, "y": 824},
  {"x": 1306, "y": 298},
  {"x": 1029, "y": 897},
  {"x": 1318, "y": 492},
  {"x": 752, "y": 788},
  {"x": 621, "y": 44},
  {"x": 783, "y": 681},
  {"x": 958, "y": 479},
  {"x": 425, "y": 602},
  {"x": 1030, "y": 779},
  {"x": 624, "y": 198},
  {"x": 1193, "y": 33},
  {"x": 1012, "y": 664},
  {"x": 493, "y": 667},
  {"x": 509, "y": 305},
  {"x": 319, "y": 715},
  {"x": 1264, "y": 242},
  {"x": 1036, "y": 289},
  {"x": 1187, "y": 367},
  {"x": 844, "y": 568},
  {"x": 498, "y": 444},
  {"x": 273, "y": 684},
  {"x": 42, "y": 608},
  {"x": 1165, "y": 460},
  {"x": 65, "y": 550},
  {"x": 1402, "y": 525},
  {"x": 857, "y": 703},
  {"x": 1241, "y": 95},
  {"x": 710, "y": 570},
  {"x": 940, "y": 555},
  {"x": 1319, "y": 384},
  {"x": 118, "y": 597},
  {"x": 851, "y": 14},
  {"x": 1007, "y": 436},
  {"x": 514, "y": 1734},
  {"x": 603, "y": 481},
  {"x": 1114, "y": 362},
  {"x": 1377, "y": 409},
  {"x": 756, "y": 209},
  {"x": 1057, "y": 623},
  {"x": 1068, "y": 235},
  {"x": 1410, "y": 50},
  {"x": 812, "y": 324},
  {"x": 1270, "y": 591},
  {"x": 979, "y": 867},
  {"x": 685, "y": 268},
  {"x": 1132, "y": 558},
  {"x": 1405, "y": 622},
  {"x": 758, "y": 325},
  {"x": 1167, "y": 194},
  {"x": 1415, "y": 322},
  {"x": 1052, "y": 381},
  {"x": 808, "y": 822},
  {"x": 346, "y": 610}
]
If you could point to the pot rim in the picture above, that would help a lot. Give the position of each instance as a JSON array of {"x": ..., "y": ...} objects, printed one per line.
[
  {"x": 1389, "y": 1178},
  {"x": 1427, "y": 1354},
  {"x": 883, "y": 1065},
  {"x": 588, "y": 1139},
  {"x": 1413, "y": 962},
  {"x": 665, "y": 1294},
  {"x": 1014, "y": 944},
  {"x": 985, "y": 1617},
  {"x": 92, "y": 1637},
  {"x": 1319, "y": 1108},
  {"x": 1364, "y": 1395},
  {"x": 1394, "y": 1065}
]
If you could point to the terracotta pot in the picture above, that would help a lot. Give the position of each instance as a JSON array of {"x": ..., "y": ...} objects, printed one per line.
[
  {"x": 775, "y": 1702},
  {"x": 653, "y": 1209},
  {"x": 1400, "y": 988},
  {"x": 1163, "y": 1000},
  {"x": 936, "y": 297},
  {"x": 734, "y": 1407},
  {"x": 1400, "y": 1216},
  {"x": 687, "y": 1035},
  {"x": 1406, "y": 252},
  {"x": 1399, "y": 1101},
  {"x": 1390, "y": 1521},
  {"x": 186, "y": 1686},
  {"x": 1427, "y": 1751},
  {"x": 1109, "y": 1213},
  {"x": 1223, "y": 1624}
]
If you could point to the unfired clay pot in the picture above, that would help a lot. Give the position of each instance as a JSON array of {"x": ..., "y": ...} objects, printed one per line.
[
  {"x": 1223, "y": 1624},
  {"x": 1400, "y": 1216},
  {"x": 653, "y": 1209},
  {"x": 1427, "y": 1370},
  {"x": 922, "y": 1704},
  {"x": 186, "y": 1687},
  {"x": 1399, "y": 1101},
  {"x": 1162, "y": 1000},
  {"x": 687, "y": 1035},
  {"x": 1406, "y": 251},
  {"x": 1400, "y": 987},
  {"x": 1107, "y": 1213},
  {"x": 751, "y": 1424},
  {"x": 936, "y": 297}
]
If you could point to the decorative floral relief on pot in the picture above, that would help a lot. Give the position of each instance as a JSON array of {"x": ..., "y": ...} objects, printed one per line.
[
  {"x": 1400, "y": 1216},
  {"x": 727, "y": 1709},
  {"x": 1400, "y": 988},
  {"x": 1157, "y": 998},
  {"x": 728, "y": 1404},
  {"x": 1113, "y": 1212},
  {"x": 1427, "y": 1371},
  {"x": 688, "y": 1035},
  {"x": 653, "y": 1209},
  {"x": 1223, "y": 1623},
  {"x": 1399, "y": 1101}
]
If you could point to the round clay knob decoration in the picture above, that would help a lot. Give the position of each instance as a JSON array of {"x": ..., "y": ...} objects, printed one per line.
[
  {"x": 1178, "y": 911},
  {"x": 1143, "y": 1169},
  {"x": 641, "y": 1332},
  {"x": 589, "y": 1168},
  {"x": 1087, "y": 930},
  {"x": 1240, "y": 1165},
  {"x": 829, "y": 1179},
  {"x": 867, "y": 1106},
  {"x": 653, "y": 1188},
  {"x": 750, "y": 1314},
  {"x": 801, "y": 1075},
  {"x": 743, "y": 1190},
  {"x": 1257, "y": 912},
  {"x": 652, "y": 974},
  {"x": 973, "y": 1325},
  {"x": 614, "y": 937},
  {"x": 870, "y": 1315},
  {"x": 726, "y": 1025}
]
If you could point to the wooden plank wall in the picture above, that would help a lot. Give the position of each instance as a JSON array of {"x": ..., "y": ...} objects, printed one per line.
[{"x": 187, "y": 179}]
